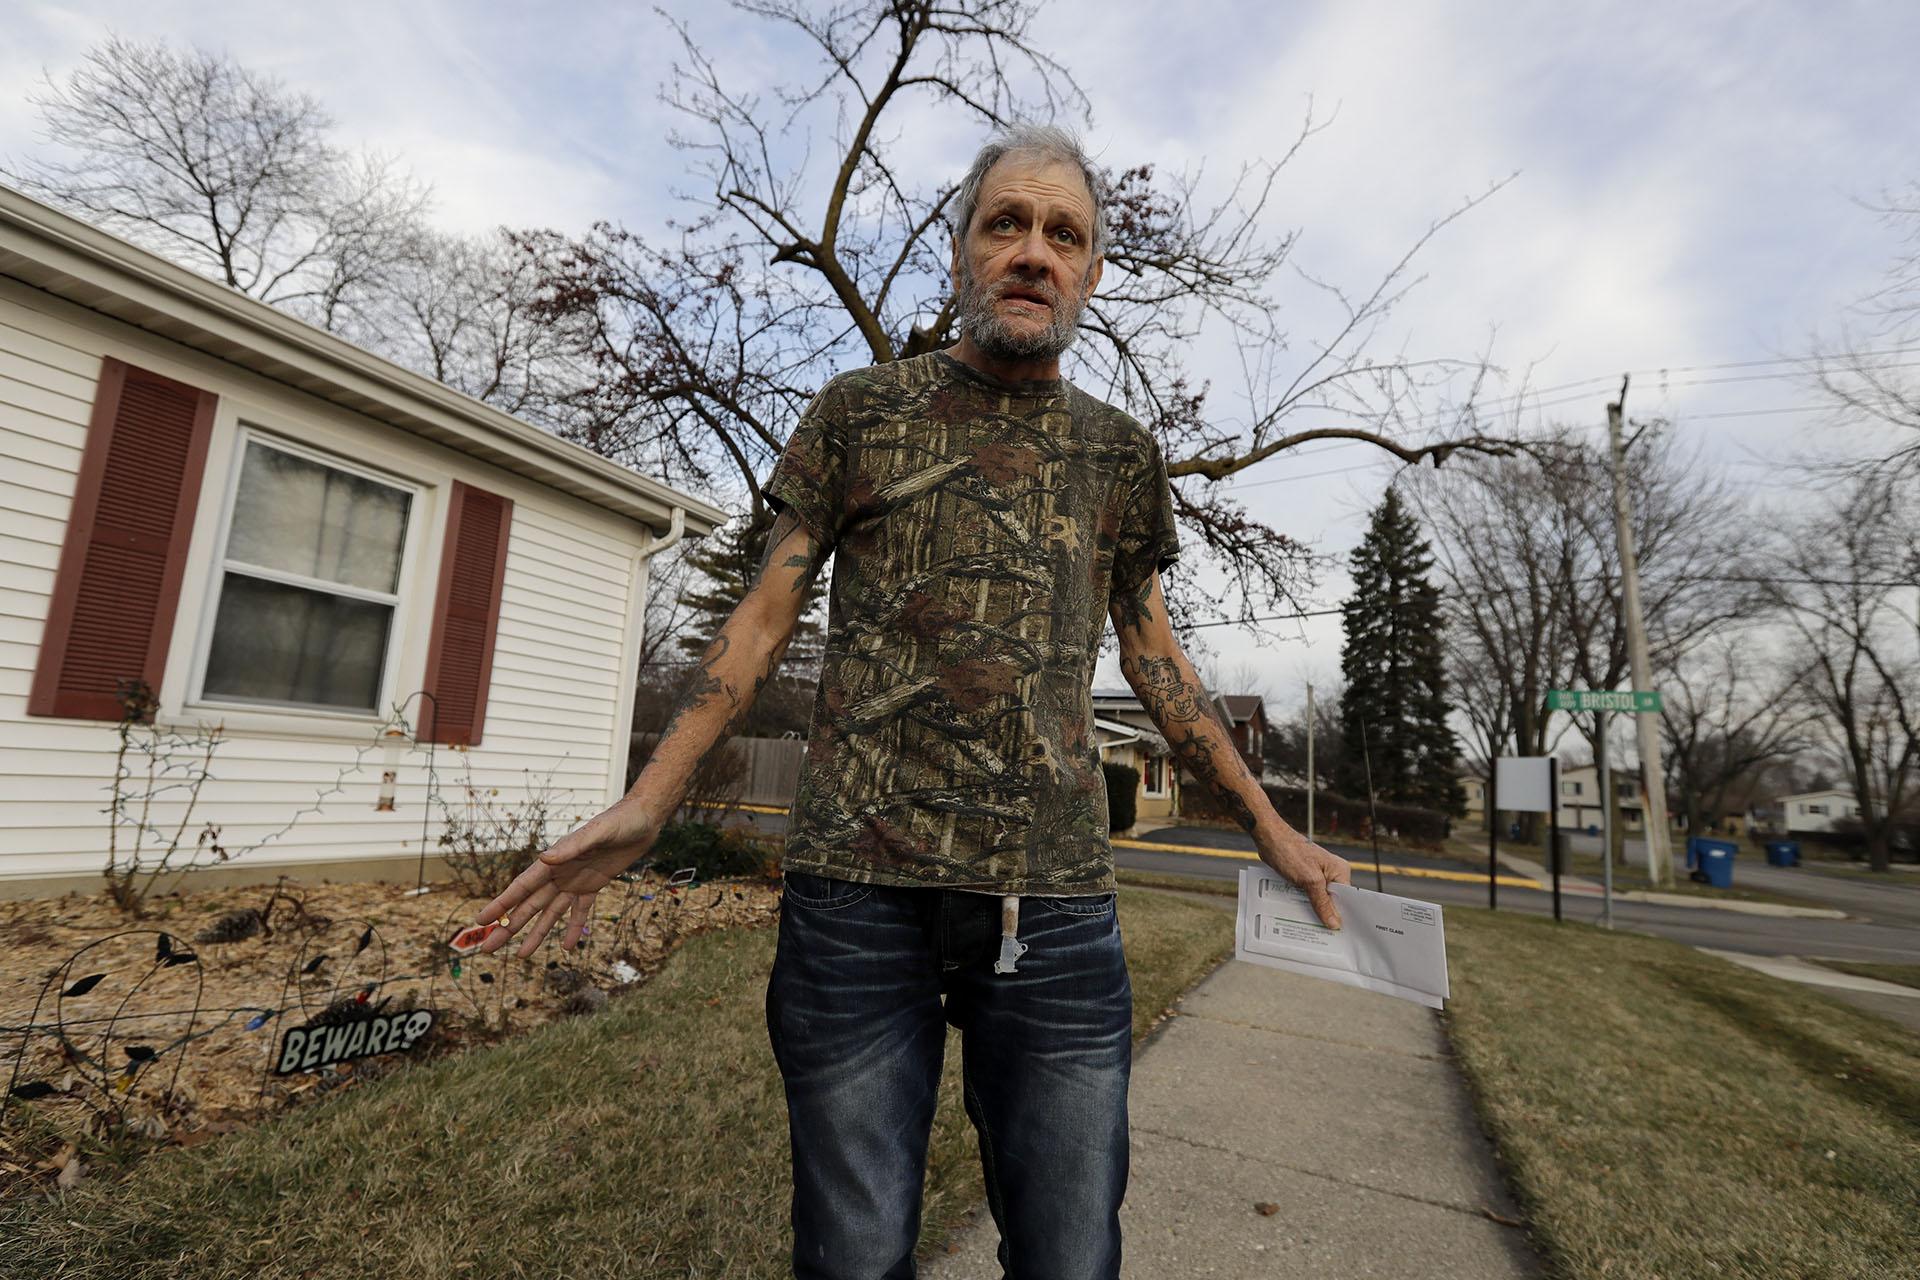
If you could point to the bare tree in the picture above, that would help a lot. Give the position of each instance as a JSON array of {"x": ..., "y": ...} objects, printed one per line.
[
  {"x": 798, "y": 261},
  {"x": 1839, "y": 580},
  {"x": 1287, "y": 739},
  {"x": 225, "y": 171},
  {"x": 464, "y": 310},
  {"x": 1867, "y": 372},
  {"x": 1729, "y": 717},
  {"x": 1533, "y": 578},
  {"x": 1502, "y": 540},
  {"x": 1691, "y": 537}
]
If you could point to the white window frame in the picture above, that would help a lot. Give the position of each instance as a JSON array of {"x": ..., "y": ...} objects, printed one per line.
[
  {"x": 246, "y": 434},
  {"x": 1148, "y": 791}
]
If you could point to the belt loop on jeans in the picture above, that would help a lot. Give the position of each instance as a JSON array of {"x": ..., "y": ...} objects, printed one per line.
[{"x": 1011, "y": 948}]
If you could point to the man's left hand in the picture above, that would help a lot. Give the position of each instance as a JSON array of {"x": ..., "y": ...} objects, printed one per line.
[{"x": 1309, "y": 867}]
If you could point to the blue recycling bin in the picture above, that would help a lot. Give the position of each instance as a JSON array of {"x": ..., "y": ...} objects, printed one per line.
[
  {"x": 1783, "y": 853},
  {"x": 1711, "y": 861}
]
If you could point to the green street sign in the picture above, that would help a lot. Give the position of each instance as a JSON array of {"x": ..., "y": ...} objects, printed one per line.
[{"x": 1632, "y": 701}]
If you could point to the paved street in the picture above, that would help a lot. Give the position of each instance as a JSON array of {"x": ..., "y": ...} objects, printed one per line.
[
  {"x": 1885, "y": 930},
  {"x": 1888, "y": 933},
  {"x": 1883, "y": 924}
]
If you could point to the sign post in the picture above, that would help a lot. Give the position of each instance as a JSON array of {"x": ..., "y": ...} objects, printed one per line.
[
  {"x": 1553, "y": 828},
  {"x": 1634, "y": 702},
  {"x": 1606, "y": 823},
  {"x": 1528, "y": 783},
  {"x": 1493, "y": 839}
]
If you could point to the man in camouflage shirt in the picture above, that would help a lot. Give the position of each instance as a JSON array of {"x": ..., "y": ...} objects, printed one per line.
[
  {"x": 947, "y": 858},
  {"x": 977, "y": 525}
]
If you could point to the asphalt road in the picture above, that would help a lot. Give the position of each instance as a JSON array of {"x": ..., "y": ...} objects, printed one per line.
[
  {"x": 1889, "y": 933},
  {"x": 1885, "y": 926}
]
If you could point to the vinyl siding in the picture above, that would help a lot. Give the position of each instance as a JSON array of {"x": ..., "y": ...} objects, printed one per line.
[{"x": 558, "y": 657}]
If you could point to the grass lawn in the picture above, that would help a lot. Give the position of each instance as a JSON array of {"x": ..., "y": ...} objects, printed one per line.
[
  {"x": 1899, "y": 873},
  {"x": 1662, "y": 1113},
  {"x": 646, "y": 1141},
  {"x": 1907, "y": 975},
  {"x": 1184, "y": 884}
]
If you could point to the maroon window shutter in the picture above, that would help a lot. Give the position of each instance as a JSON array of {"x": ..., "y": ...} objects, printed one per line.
[
  {"x": 466, "y": 615},
  {"x": 118, "y": 584}
]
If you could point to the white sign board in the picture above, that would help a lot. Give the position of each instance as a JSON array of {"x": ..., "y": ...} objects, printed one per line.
[{"x": 1523, "y": 784}]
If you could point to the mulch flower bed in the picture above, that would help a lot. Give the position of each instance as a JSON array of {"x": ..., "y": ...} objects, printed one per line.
[{"x": 164, "y": 1030}]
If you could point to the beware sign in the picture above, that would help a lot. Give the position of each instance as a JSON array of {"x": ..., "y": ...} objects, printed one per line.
[{"x": 305, "y": 1048}]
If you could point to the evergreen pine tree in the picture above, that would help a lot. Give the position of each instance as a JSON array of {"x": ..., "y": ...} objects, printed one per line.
[{"x": 1395, "y": 704}]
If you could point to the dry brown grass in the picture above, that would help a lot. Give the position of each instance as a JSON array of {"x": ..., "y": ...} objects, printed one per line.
[
  {"x": 1662, "y": 1113},
  {"x": 646, "y": 1141}
]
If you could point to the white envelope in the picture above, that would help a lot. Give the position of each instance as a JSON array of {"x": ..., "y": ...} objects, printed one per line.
[{"x": 1396, "y": 946}]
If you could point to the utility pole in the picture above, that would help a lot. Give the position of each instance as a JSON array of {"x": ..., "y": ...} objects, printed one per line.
[
  {"x": 1653, "y": 779},
  {"x": 1606, "y": 823},
  {"x": 1310, "y": 773}
]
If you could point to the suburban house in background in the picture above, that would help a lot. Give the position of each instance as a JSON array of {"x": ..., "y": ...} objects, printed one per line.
[
  {"x": 1245, "y": 715},
  {"x": 1127, "y": 735},
  {"x": 281, "y": 534},
  {"x": 1473, "y": 793},
  {"x": 1817, "y": 810},
  {"x": 1582, "y": 805}
]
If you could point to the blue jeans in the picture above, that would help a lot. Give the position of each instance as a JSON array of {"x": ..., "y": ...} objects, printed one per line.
[{"x": 855, "y": 1013}]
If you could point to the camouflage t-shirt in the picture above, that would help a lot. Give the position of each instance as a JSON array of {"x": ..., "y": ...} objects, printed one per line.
[{"x": 978, "y": 529}]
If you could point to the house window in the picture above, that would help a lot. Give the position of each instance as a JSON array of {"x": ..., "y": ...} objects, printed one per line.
[
  {"x": 309, "y": 584},
  {"x": 1816, "y": 808},
  {"x": 1571, "y": 788},
  {"x": 1154, "y": 775}
]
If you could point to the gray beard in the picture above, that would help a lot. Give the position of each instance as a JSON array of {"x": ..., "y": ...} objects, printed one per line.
[{"x": 976, "y": 319}]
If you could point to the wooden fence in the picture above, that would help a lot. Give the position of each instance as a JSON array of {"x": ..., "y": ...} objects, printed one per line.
[{"x": 771, "y": 766}]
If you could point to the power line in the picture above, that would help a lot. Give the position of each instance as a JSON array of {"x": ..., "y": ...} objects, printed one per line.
[
  {"x": 1442, "y": 595},
  {"x": 1528, "y": 400}
]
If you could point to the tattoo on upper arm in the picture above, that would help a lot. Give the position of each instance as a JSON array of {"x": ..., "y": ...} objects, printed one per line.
[
  {"x": 807, "y": 562},
  {"x": 1130, "y": 608}
]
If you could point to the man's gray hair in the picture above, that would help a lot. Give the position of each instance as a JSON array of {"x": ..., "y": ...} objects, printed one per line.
[{"x": 1047, "y": 140}]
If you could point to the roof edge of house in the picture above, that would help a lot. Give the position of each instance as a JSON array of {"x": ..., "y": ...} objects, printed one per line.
[{"x": 73, "y": 260}]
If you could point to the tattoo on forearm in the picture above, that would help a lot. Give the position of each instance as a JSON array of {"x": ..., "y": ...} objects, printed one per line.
[
  {"x": 704, "y": 686},
  {"x": 1169, "y": 691},
  {"x": 1177, "y": 705}
]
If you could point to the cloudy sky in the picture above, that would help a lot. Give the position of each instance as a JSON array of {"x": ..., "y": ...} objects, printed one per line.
[{"x": 1686, "y": 190}]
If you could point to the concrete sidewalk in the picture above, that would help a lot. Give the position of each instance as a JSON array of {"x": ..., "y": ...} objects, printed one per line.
[{"x": 1338, "y": 1105}]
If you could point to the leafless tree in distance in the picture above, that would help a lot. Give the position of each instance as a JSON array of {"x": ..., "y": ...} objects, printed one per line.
[
  {"x": 797, "y": 259},
  {"x": 1840, "y": 580},
  {"x": 225, "y": 171},
  {"x": 1527, "y": 547},
  {"x": 1866, "y": 372},
  {"x": 1729, "y": 719}
]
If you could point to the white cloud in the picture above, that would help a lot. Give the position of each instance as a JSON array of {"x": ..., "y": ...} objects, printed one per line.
[{"x": 1685, "y": 192}]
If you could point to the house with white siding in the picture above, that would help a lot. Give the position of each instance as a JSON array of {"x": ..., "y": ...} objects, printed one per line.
[
  {"x": 1818, "y": 811},
  {"x": 289, "y": 538}
]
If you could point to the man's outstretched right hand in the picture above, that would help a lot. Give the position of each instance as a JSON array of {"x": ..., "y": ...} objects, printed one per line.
[{"x": 565, "y": 878}]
